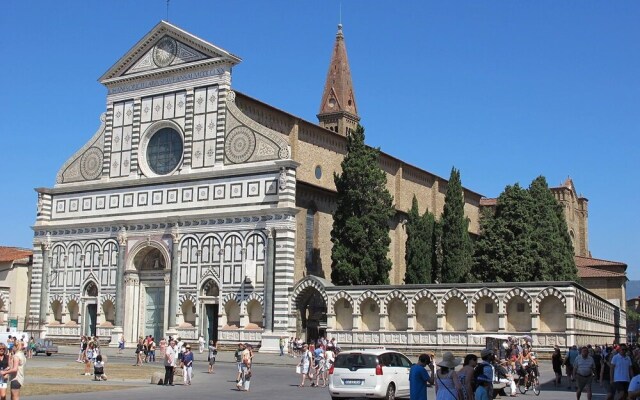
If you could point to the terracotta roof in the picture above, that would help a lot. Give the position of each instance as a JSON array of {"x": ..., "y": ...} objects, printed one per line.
[
  {"x": 487, "y": 202},
  {"x": 589, "y": 272},
  {"x": 13, "y": 253},
  {"x": 596, "y": 262}
]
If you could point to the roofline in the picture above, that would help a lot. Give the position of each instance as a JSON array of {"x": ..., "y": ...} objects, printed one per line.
[
  {"x": 233, "y": 58},
  {"x": 467, "y": 190},
  {"x": 600, "y": 259}
]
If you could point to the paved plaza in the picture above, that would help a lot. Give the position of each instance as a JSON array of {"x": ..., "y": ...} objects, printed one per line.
[{"x": 273, "y": 378}]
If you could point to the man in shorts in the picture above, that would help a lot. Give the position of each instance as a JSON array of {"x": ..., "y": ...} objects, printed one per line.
[
  {"x": 621, "y": 372},
  {"x": 583, "y": 369}
]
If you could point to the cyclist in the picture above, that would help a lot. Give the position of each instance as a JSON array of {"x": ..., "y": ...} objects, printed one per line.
[{"x": 528, "y": 365}]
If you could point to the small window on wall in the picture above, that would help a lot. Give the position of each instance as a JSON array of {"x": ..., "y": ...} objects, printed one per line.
[
  {"x": 520, "y": 307},
  {"x": 318, "y": 172},
  {"x": 488, "y": 308}
]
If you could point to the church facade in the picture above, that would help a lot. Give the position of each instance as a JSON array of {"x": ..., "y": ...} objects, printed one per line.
[{"x": 196, "y": 210}]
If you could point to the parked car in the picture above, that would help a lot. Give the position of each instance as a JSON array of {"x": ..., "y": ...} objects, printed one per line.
[
  {"x": 373, "y": 373},
  {"x": 45, "y": 346}
]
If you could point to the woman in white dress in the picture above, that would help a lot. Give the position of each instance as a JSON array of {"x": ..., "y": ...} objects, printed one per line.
[{"x": 305, "y": 364}]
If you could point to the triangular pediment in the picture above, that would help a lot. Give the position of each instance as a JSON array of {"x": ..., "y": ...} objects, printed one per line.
[{"x": 167, "y": 48}]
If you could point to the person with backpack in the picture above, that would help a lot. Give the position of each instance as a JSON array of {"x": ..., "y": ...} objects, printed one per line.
[
  {"x": 420, "y": 375},
  {"x": 485, "y": 367},
  {"x": 568, "y": 362},
  {"x": 482, "y": 391},
  {"x": 238, "y": 358}
]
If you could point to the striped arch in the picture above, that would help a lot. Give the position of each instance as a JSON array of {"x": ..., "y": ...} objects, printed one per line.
[
  {"x": 514, "y": 293},
  {"x": 308, "y": 282},
  {"x": 57, "y": 297},
  {"x": 396, "y": 294},
  {"x": 484, "y": 292},
  {"x": 337, "y": 297},
  {"x": 364, "y": 296},
  {"x": 72, "y": 297},
  {"x": 88, "y": 243},
  {"x": 254, "y": 296},
  {"x": 450, "y": 294},
  {"x": 228, "y": 297},
  {"x": 189, "y": 236},
  {"x": 424, "y": 293},
  {"x": 186, "y": 296},
  {"x": 107, "y": 297},
  {"x": 550, "y": 291}
]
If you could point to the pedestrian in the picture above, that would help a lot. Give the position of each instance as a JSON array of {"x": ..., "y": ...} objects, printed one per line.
[
  {"x": 15, "y": 373},
  {"x": 187, "y": 365},
  {"x": 201, "y": 344},
  {"x": 152, "y": 350},
  {"x": 31, "y": 347},
  {"x": 556, "y": 362},
  {"x": 621, "y": 372},
  {"x": 321, "y": 369},
  {"x": 482, "y": 390},
  {"x": 281, "y": 343},
  {"x": 605, "y": 376},
  {"x": 318, "y": 356},
  {"x": 121, "y": 344},
  {"x": 98, "y": 369},
  {"x": 466, "y": 376},
  {"x": 238, "y": 358},
  {"x": 304, "y": 365},
  {"x": 82, "y": 350},
  {"x": 420, "y": 375},
  {"x": 247, "y": 356},
  {"x": 213, "y": 352},
  {"x": 447, "y": 382},
  {"x": 568, "y": 362},
  {"x": 170, "y": 357},
  {"x": 139, "y": 352},
  {"x": 487, "y": 369},
  {"x": 634, "y": 388},
  {"x": 583, "y": 369},
  {"x": 88, "y": 357},
  {"x": 4, "y": 365}
]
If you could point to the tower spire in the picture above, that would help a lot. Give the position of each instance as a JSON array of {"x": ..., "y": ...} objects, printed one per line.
[{"x": 338, "y": 109}]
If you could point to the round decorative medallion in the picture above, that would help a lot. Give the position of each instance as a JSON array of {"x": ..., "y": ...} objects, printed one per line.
[
  {"x": 91, "y": 163},
  {"x": 240, "y": 144},
  {"x": 164, "y": 52}
]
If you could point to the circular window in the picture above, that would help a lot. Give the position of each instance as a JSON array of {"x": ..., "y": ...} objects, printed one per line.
[
  {"x": 318, "y": 172},
  {"x": 164, "y": 151}
]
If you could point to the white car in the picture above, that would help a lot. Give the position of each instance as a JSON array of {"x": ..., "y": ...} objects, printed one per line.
[{"x": 375, "y": 373}]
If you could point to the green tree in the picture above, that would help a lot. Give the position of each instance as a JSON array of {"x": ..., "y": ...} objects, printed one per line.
[
  {"x": 554, "y": 260},
  {"x": 457, "y": 249},
  {"x": 360, "y": 233},
  {"x": 419, "y": 245},
  {"x": 504, "y": 251}
]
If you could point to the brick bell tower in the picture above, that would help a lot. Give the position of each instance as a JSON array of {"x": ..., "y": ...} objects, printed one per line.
[{"x": 338, "y": 110}]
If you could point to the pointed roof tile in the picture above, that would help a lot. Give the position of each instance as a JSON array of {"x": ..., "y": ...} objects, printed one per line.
[{"x": 338, "y": 95}]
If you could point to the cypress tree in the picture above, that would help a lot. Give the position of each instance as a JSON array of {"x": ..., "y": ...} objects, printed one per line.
[
  {"x": 504, "y": 251},
  {"x": 550, "y": 237},
  {"x": 360, "y": 233},
  {"x": 456, "y": 245},
  {"x": 419, "y": 245}
]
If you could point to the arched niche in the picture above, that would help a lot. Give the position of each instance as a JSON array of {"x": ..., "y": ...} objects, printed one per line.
[
  {"x": 344, "y": 314},
  {"x": 455, "y": 315},
  {"x": 426, "y": 315},
  {"x": 397, "y": 315},
  {"x": 370, "y": 311}
]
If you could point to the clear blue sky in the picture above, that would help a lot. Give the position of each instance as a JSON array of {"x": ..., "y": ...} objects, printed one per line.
[{"x": 503, "y": 90}]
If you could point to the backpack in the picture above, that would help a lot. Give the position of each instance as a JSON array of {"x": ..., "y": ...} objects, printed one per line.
[{"x": 477, "y": 371}]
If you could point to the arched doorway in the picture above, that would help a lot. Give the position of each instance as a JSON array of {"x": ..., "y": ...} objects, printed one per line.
[
  {"x": 311, "y": 314},
  {"x": 90, "y": 300},
  {"x": 210, "y": 300},
  {"x": 145, "y": 293}
]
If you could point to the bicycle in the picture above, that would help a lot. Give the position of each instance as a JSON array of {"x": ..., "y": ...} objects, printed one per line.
[{"x": 533, "y": 383}]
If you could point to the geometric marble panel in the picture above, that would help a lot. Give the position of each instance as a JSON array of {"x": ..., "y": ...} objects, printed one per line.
[
  {"x": 271, "y": 187},
  {"x": 236, "y": 190},
  {"x": 187, "y": 195},
  {"x": 253, "y": 189},
  {"x": 218, "y": 192}
]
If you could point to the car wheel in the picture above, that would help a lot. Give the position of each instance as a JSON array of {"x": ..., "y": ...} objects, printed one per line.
[
  {"x": 48, "y": 354},
  {"x": 391, "y": 392}
]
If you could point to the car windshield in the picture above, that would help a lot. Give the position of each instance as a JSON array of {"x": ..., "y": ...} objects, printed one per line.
[{"x": 356, "y": 360}]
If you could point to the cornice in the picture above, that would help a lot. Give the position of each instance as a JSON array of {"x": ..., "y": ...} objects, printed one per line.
[{"x": 221, "y": 172}]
